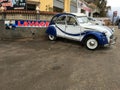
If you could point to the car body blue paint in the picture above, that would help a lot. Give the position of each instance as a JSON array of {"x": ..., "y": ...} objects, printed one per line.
[
  {"x": 51, "y": 30},
  {"x": 102, "y": 40}
]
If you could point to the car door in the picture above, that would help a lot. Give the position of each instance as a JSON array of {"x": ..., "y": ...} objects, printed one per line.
[
  {"x": 61, "y": 25},
  {"x": 72, "y": 28}
]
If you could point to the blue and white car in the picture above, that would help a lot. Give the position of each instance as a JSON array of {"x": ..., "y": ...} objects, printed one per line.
[{"x": 77, "y": 27}]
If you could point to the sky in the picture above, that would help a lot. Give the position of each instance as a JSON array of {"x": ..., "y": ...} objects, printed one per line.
[
  {"x": 115, "y": 6},
  {"x": 113, "y": 3}
]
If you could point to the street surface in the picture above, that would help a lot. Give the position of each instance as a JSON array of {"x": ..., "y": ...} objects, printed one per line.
[{"x": 40, "y": 64}]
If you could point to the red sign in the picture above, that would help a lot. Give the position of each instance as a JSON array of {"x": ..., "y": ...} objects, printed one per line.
[
  {"x": 32, "y": 23},
  {"x": 7, "y": 4},
  {"x": 3, "y": 0}
]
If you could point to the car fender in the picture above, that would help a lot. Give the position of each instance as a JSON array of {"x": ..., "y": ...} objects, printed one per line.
[
  {"x": 101, "y": 37},
  {"x": 51, "y": 30}
]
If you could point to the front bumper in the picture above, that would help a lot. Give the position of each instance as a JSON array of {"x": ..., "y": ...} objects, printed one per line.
[{"x": 113, "y": 41}]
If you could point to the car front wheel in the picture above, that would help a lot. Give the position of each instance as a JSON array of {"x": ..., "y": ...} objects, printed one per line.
[
  {"x": 91, "y": 43},
  {"x": 51, "y": 37}
]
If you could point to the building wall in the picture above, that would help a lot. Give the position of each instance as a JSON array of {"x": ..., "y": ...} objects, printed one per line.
[
  {"x": 67, "y": 5},
  {"x": 46, "y": 5},
  {"x": 59, "y": 4},
  {"x": 55, "y": 5},
  {"x": 63, "y": 5},
  {"x": 73, "y": 6}
]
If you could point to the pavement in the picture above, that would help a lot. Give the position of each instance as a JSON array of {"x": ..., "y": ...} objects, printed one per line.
[{"x": 39, "y": 64}]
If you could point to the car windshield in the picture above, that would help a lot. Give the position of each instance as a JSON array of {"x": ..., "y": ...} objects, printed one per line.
[{"x": 82, "y": 19}]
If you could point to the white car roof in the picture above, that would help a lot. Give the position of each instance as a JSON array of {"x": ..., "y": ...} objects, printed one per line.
[{"x": 78, "y": 14}]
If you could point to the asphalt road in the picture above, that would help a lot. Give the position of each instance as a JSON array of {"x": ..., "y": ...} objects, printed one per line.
[{"x": 40, "y": 64}]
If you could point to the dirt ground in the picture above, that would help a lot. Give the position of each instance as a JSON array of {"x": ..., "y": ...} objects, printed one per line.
[{"x": 40, "y": 64}]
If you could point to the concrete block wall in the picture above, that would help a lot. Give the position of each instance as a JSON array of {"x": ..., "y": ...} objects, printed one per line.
[{"x": 21, "y": 32}]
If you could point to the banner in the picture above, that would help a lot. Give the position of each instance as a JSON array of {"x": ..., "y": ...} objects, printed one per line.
[
  {"x": 12, "y": 24},
  {"x": 19, "y": 4},
  {"x": 29, "y": 23},
  {"x": 13, "y": 4}
]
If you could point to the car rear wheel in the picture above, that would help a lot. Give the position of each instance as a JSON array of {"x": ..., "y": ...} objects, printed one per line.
[
  {"x": 51, "y": 37},
  {"x": 91, "y": 43}
]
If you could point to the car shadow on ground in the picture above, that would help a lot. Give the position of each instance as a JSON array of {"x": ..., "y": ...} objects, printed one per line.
[{"x": 77, "y": 43}]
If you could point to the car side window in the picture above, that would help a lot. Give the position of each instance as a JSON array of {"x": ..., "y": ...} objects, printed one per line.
[
  {"x": 54, "y": 20},
  {"x": 61, "y": 20},
  {"x": 71, "y": 21}
]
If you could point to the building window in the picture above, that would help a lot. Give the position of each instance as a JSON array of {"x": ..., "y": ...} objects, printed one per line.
[
  {"x": 56, "y": 9},
  {"x": 82, "y": 11},
  {"x": 31, "y": 7}
]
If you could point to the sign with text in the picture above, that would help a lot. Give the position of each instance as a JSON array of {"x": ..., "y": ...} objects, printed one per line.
[
  {"x": 13, "y": 24},
  {"x": 13, "y": 4},
  {"x": 31, "y": 23}
]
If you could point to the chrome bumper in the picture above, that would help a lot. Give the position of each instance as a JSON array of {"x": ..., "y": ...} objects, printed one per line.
[{"x": 113, "y": 41}]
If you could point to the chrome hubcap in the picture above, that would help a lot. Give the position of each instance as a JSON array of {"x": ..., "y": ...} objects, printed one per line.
[{"x": 92, "y": 43}]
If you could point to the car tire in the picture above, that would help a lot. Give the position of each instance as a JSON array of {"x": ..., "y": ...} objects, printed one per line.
[
  {"x": 51, "y": 37},
  {"x": 91, "y": 43}
]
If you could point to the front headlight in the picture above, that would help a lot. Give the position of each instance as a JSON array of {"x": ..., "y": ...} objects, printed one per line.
[{"x": 113, "y": 29}]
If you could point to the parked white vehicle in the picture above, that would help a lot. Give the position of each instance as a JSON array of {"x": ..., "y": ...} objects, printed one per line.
[
  {"x": 77, "y": 27},
  {"x": 95, "y": 21}
]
